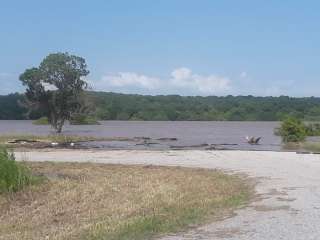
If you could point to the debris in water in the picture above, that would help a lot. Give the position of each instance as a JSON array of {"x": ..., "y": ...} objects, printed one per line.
[{"x": 253, "y": 140}]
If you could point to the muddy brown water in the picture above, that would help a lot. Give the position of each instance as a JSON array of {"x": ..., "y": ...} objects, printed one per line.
[{"x": 189, "y": 134}]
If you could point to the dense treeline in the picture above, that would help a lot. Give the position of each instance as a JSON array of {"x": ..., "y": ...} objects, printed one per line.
[
  {"x": 114, "y": 106},
  {"x": 10, "y": 107}
]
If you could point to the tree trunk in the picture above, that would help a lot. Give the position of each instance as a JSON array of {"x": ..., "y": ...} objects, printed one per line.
[
  {"x": 60, "y": 125},
  {"x": 56, "y": 122}
]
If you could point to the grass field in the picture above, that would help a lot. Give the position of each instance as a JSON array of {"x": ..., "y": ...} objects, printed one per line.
[{"x": 95, "y": 201}]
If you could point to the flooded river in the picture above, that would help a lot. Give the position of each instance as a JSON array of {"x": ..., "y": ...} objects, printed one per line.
[{"x": 156, "y": 135}]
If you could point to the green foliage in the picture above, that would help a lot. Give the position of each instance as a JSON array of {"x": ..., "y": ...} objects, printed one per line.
[
  {"x": 312, "y": 129},
  {"x": 41, "y": 121},
  {"x": 10, "y": 107},
  {"x": 56, "y": 87},
  {"x": 13, "y": 176},
  {"x": 292, "y": 130},
  {"x": 82, "y": 119},
  {"x": 115, "y": 106}
]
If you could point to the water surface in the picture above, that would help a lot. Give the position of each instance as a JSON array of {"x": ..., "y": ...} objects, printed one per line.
[{"x": 190, "y": 134}]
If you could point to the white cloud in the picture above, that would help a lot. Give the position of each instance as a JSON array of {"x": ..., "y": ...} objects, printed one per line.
[
  {"x": 182, "y": 81},
  {"x": 130, "y": 79},
  {"x": 181, "y": 73},
  {"x": 243, "y": 74},
  {"x": 48, "y": 86},
  {"x": 211, "y": 84}
]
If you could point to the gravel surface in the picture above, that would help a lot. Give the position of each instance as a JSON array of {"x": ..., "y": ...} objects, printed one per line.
[{"x": 288, "y": 188}]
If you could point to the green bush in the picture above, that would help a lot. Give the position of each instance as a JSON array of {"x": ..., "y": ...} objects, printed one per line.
[
  {"x": 313, "y": 129},
  {"x": 13, "y": 175},
  {"x": 81, "y": 119},
  {"x": 292, "y": 130},
  {"x": 41, "y": 121}
]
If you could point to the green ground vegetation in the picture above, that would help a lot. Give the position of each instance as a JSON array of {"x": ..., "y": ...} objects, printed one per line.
[
  {"x": 41, "y": 121},
  {"x": 81, "y": 119},
  {"x": 14, "y": 176},
  {"x": 292, "y": 130}
]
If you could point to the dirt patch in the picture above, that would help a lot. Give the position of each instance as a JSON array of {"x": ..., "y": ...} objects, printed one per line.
[
  {"x": 286, "y": 199},
  {"x": 265, "y": 208},
  {"x": 228, "y": 232}
]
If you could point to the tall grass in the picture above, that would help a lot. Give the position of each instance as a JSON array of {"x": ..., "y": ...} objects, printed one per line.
[{"x": 13, "y": 175}]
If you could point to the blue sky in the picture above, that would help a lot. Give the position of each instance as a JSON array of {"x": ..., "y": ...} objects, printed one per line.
[{"x": 203, "y": 47}]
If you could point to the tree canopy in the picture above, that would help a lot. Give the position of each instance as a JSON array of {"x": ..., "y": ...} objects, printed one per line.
[
  {"x": 55, "y": 88},
  {"x": 115, "y": 106}
]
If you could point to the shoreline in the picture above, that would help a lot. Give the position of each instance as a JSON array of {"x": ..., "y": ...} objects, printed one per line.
[
  {"x": 287, "y": 187},
  {"x": 91, "y": 150},
  {"x": 159, "y": 157}
]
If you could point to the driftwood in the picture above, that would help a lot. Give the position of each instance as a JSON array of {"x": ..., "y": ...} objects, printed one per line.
[
  {"x": 141, "y": 138},
  {"x": 191, "y": 146},
  {"x": 253, "y": 140},
  {"x": 146, "y": 143},
  {"x": 22, "y": 141},
  {"x": 167, "y": 139}
]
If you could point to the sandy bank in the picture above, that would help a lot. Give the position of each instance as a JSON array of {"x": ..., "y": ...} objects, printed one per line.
[{"x": 288, "y": 188}]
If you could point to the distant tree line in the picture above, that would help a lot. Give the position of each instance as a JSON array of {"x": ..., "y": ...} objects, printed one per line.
[{"x": 115, "y": 106}]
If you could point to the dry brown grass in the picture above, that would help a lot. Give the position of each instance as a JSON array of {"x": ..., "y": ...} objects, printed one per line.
[
  {"x": 311, "y": 146},
  {"x": 303, "y": 146},
  {"x": 95, "y": 201}
]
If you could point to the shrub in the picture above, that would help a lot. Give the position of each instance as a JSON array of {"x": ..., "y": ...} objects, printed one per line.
[
  {"x": 313, "y": 129},
  {"x": 13, "y": 175},
  {"x": 41, "y": 121},
  {"x": 81, "y": 119},
  {"x": 292, "y": 130}
]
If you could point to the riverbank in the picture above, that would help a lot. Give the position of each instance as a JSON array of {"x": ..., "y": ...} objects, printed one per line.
[
  {"x": 117, "y": 202},
  {"x": 287, "y": 188}
]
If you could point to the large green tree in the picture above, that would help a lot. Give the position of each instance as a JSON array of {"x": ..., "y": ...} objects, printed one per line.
[{"x": 56, "y": 87}]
